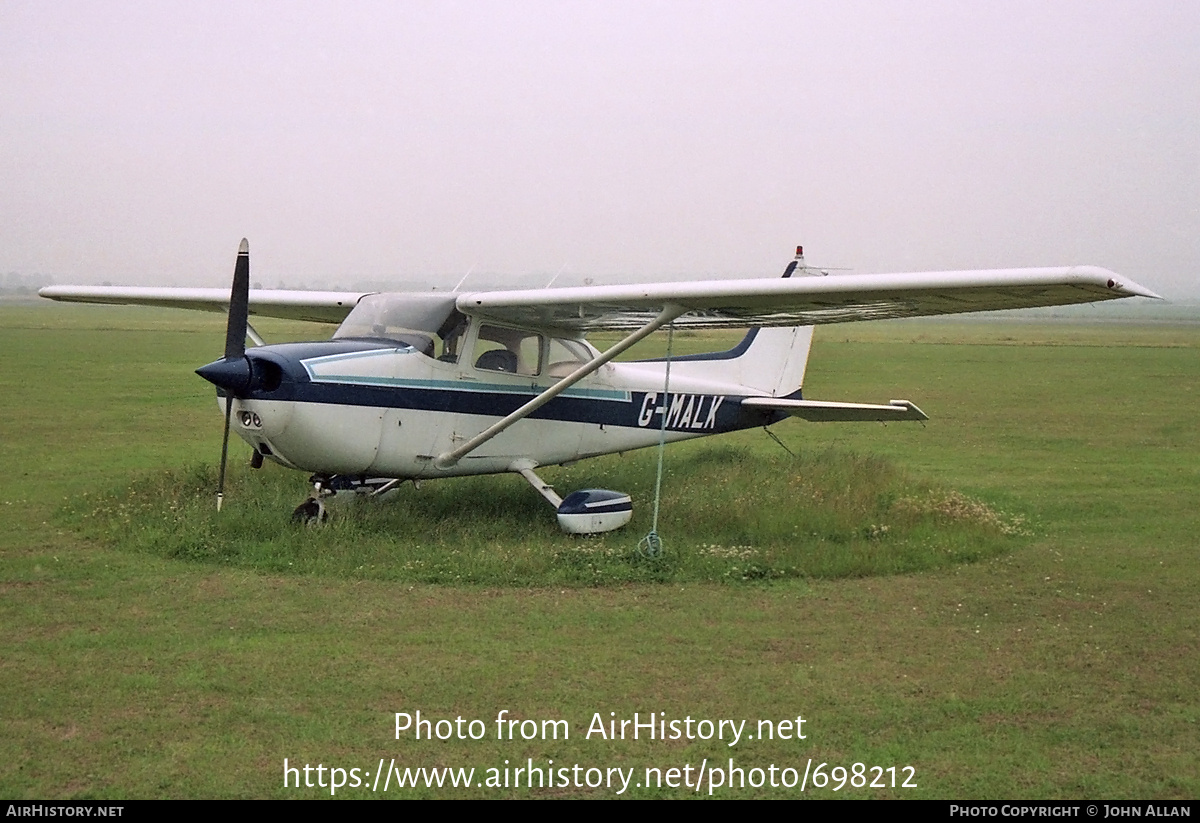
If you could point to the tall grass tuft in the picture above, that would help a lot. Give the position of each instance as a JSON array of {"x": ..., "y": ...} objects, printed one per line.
[{"x": 727, "y": 514}]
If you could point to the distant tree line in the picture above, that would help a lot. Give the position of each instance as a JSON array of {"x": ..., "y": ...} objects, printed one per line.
[{"x": 14, "y": 283}]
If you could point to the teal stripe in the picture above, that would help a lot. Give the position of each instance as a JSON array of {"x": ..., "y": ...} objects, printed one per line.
[
  {"x": 464, "y": 385},
  {"x": 439, "y": 385}
]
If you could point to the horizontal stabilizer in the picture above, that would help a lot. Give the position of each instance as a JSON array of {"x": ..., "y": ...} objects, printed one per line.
[{"x": 820, "y": 411}]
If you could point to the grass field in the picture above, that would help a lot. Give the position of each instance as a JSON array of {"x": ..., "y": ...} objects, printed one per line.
[{"x": 1061, "y": 663}]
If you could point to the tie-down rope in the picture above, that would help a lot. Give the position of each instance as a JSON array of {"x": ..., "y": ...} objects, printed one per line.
[{"x": 651, "y": 545}]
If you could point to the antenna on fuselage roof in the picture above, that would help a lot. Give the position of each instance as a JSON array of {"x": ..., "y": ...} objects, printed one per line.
[
  {"x": 555, "y": 277},
  {"x": 464, "y": 278}
]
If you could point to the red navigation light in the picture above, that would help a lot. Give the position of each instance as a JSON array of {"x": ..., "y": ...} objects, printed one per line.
[{"x": 799, "y": 251}]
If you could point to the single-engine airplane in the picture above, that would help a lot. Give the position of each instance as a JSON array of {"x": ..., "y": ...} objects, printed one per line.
[{"x": 417, "y": 386}]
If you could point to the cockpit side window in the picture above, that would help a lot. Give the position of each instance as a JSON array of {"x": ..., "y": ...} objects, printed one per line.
[
  {"x": 427, "y": 323},
  {"x": 514, "y": 351}
]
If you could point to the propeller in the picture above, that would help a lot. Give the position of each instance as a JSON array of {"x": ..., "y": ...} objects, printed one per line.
[{"x": 235, "y": 363}]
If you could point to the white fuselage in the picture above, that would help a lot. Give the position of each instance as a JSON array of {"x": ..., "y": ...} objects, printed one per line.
[{"x": 391, "y": 412}]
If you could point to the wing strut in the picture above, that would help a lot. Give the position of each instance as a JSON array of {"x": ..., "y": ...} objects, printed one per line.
[
  {"x": 669, "y": 312},
  {"x": 253, "y": 334}
]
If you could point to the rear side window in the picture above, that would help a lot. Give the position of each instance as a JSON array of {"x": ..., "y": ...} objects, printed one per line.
[{"x": 513, "y": 351}]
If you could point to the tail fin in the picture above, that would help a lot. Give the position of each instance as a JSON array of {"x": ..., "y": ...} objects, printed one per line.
[
  {"x": 771, "y": 361},
  {"x": 776, "y": 359}
]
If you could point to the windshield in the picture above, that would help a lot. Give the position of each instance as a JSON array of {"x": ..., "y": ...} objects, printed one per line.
[{"x": 428, "y": 323}]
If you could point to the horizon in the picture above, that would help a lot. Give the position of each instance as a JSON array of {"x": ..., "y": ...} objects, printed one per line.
[{"x": 617, "y": 141}]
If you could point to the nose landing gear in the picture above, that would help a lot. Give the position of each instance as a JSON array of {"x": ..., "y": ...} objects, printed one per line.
[
  {"x": 310, "y": 513},
  {"x": 313, "y": 510}
]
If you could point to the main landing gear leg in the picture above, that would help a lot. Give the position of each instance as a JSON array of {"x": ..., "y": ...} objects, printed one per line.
[{"x": 588, "y": 511}]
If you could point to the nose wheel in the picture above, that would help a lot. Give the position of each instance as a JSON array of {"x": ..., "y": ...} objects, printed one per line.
[{"x": 310, "y": 513}]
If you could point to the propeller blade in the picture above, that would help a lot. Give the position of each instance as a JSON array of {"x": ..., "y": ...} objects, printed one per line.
[
  {"x": 224, "y": 450},
  {"x": 235, "y": 347},
  {"x": 239, "y": 305}
]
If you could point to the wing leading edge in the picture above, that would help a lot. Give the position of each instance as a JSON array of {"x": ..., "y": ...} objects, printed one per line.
[
  {"x": 801, "y": 301},
  {"x": 314, "y": 306}
]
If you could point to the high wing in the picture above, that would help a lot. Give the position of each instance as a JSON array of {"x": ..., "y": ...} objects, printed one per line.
[
  {"x": 314, "y": 306},
  {"x": 800, "y": 301},
  {"x": 807, "y": 300}
]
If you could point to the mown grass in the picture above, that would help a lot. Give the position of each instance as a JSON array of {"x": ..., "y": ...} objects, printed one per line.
[
  {"x": 1067, "y": 666},
  {"x": 728, "y": 514}
]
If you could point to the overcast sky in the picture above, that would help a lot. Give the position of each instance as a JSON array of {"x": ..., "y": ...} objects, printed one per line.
[{"x": 398, "y": 141}]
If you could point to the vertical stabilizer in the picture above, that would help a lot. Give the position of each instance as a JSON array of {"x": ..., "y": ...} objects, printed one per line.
[
  {"x": 771, "y": 361},
  {"x": 777, "y": 359}
]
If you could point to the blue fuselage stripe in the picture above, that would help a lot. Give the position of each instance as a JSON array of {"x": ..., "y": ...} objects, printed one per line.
[{"x": 698, "y": 413}]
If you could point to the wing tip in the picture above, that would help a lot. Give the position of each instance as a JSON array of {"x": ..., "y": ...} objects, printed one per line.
[
  {"x": 912, "y": 408},
  {"x": 1132, "y": 289}
]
